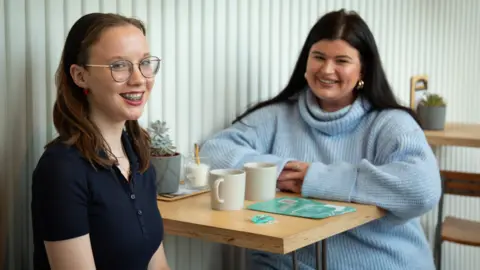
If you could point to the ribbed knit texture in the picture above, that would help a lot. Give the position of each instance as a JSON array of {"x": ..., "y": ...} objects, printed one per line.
[{"x": 356, "y": 155}]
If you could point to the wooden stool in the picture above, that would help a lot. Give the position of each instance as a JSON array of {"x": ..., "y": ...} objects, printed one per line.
[{"x": 454, "y": 229}]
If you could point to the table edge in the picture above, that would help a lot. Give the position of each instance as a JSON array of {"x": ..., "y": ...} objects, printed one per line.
[
  {"x": 224, "y": 236},
  {"x": 435, "y": 140},
  {"x": 279, "y": 245}
]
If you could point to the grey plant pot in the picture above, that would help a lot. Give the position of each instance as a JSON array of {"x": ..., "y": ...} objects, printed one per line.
[
  {"x": 168, "y": 173},
  {"x": 432, "y": 118}
]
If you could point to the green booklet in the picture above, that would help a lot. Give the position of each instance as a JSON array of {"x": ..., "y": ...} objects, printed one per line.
[{"x": 300, "y": 207}]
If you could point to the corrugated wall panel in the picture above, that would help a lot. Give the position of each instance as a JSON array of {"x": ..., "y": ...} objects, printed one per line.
[{"x": 220, "y": 56}]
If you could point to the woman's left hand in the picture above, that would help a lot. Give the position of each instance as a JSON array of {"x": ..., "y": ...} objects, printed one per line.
[{"x": 291, "y": 178}]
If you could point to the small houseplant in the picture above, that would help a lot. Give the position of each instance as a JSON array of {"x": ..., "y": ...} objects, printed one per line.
[
  {"x": 432, "y": 112},
  {"x": 165, "y": 159}
]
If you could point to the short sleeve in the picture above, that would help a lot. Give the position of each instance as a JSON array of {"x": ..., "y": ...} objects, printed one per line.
[{"x": 60, "y": 197}]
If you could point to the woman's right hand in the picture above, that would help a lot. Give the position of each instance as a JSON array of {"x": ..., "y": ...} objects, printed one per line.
[
  {"x": 291, "y": 178},
  {"x": 294, "y": 186}
]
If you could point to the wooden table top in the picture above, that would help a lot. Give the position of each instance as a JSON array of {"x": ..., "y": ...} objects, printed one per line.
[
  {"x": 192, "y": 217},
  {"x": 455, "y": 134}
]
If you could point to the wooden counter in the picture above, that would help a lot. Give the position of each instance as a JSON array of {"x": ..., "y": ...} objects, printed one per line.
[{"x": 455, "y": 134}]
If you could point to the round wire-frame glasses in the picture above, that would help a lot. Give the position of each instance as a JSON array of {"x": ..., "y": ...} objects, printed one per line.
[{"x": 121, "y": 70}]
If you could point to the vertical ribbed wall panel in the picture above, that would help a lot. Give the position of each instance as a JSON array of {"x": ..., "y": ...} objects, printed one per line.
[{"x": 220, "y": 56}]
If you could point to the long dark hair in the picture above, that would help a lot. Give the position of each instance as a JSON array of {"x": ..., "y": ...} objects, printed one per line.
[
  {"x": 351, "y": 28},
  {"x": 70, "y": 109}
]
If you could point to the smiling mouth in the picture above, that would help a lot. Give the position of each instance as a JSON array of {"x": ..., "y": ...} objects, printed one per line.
[
  {"x": 132, "y": 96},
  {"x": 324, "y": 81}
]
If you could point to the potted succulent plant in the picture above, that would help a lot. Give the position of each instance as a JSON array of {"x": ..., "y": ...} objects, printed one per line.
[
  {"x": 165, "y": 159},
  {"x": 432, "y": 112}
]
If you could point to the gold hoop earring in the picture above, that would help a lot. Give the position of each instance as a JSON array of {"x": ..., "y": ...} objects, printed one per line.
[{"x": 360, "y": 84}]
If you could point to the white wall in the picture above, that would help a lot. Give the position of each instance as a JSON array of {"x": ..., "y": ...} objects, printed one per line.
[{"x": 218, "y": 57}]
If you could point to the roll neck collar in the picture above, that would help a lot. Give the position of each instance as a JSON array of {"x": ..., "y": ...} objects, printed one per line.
[{"x": 331, "y": 123}]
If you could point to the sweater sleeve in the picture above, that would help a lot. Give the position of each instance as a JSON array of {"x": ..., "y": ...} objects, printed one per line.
[
  {"x": 404, "y": 180},
  {"x": 247, "y": 141}
]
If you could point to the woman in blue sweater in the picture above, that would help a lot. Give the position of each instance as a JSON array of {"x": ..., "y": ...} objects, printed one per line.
[{"x": 336, "y": 132}]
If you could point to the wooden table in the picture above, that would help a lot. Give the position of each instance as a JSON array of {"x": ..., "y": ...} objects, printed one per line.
[
  {"x": 192, "y": 217},
  {"x": 455, "y": 134}
]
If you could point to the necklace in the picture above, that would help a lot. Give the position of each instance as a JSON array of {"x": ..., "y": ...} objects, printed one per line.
[{"x": 125, "y": 172}]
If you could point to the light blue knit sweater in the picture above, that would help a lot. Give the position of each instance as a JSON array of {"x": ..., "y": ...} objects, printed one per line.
[{"x": 379, "y": 158}]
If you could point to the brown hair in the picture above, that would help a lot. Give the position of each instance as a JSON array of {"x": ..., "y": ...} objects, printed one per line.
[{"x": 70, "y": 112}]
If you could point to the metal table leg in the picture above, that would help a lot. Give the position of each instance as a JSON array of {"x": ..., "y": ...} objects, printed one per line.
[
  {"x": 318, "y": 254},
  {"x": 324, "y": 254},
  {"x": 294, "y": 260}
]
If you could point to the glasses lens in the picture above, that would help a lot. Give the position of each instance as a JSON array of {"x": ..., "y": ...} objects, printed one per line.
[
  {"x": 149, "y": 66},
  {"x": 121, "y": 70}
]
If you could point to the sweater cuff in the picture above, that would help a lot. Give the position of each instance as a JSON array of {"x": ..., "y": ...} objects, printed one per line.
[
  {"x": 336, "y": 184},
  {"x": 280, "y": 162}
]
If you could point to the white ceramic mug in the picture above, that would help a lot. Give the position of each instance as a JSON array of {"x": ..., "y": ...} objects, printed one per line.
[
  {"x": 227, "y": 189},
  {"x": 261, "y": 181}
]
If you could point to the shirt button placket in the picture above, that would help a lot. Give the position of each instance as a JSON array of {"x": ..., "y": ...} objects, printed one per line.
[{"x": 139, "y": 211}]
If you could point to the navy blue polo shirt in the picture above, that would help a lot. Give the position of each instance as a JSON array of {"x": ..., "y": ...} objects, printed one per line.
[{"x": 71, "y": 198}]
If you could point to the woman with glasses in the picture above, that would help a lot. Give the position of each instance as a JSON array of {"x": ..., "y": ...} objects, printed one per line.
[{"x": 93, "y": 192}]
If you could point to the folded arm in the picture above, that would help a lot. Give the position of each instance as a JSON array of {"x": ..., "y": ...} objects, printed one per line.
[{"x": 404, "y": 180}]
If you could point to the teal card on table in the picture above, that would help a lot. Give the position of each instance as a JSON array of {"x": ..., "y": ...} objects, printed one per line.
[{"x": 300, "y": 207}]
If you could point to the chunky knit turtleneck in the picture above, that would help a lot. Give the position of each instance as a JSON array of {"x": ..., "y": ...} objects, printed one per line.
[
  {"x": 355, "y": 155},
  {"x": 331, "y": 123}
]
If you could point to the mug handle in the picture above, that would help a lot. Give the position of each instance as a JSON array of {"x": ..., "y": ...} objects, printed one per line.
[{"x": 216, "y": 186}]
